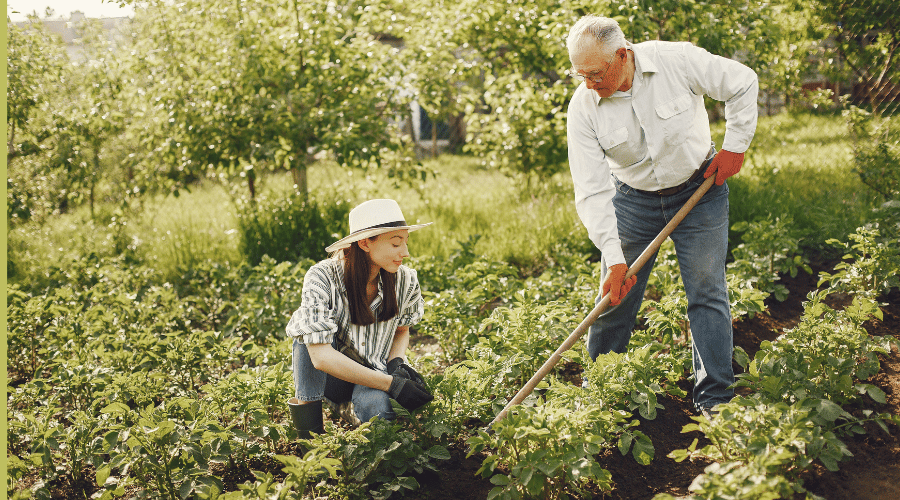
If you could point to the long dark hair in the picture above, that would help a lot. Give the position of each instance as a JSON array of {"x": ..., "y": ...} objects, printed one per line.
[{"x": 356, "y": 276}]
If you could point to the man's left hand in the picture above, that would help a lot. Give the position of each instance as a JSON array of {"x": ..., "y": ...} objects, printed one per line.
[{"x": 724, "y": 165}]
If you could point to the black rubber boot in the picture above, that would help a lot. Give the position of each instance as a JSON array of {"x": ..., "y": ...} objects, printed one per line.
[{"x": 307, "y": 417}]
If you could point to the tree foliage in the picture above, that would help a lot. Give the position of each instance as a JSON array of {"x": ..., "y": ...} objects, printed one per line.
[
  {"x": 37, "y": 69},
  {"x": 228, "y": 88},
  {"x": 233, "y": 86},
  {"x": 865, "y": 45}
]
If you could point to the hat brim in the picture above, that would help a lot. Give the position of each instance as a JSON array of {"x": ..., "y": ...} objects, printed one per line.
[{"x": 368, "y": 233}]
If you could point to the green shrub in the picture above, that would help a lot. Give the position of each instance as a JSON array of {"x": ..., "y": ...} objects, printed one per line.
[
  {"x": 769, "y": 249},
  {"x": 876, "y": 151},
  {"x": 290, "y": 228}
]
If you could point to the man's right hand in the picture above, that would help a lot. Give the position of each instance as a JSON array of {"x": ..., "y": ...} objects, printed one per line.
[
  {"x": 616, "y": 285},
  {"x": 409, "y": 394}
]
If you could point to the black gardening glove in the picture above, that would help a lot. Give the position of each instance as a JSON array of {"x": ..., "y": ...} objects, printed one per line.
[
  {"x": 409, "y": 394},
  {"x": 398, "y": 364}
]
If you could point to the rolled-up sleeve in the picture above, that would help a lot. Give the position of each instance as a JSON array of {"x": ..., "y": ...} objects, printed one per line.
[
  {"x": 411, "y": 303},
  {"x": 314, "y": 322}
]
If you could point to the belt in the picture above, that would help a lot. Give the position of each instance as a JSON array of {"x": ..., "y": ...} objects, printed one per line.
[{"x": 679, "y": 188}]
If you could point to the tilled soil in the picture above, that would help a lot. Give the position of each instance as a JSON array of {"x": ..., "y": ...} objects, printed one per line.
[{"x": 873, "y": 473}]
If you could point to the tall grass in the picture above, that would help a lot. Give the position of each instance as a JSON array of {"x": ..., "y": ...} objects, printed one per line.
[
  {"x": 798, "y": 165},
  {"x": 173, "y": 234},
  {"x": 463, "y": 200},
  {"x": 167, "y": 234},
  {"x": 801, "y": 165}
]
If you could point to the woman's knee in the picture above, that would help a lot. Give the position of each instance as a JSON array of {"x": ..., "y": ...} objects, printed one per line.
[{"x": 372, "y": 403}]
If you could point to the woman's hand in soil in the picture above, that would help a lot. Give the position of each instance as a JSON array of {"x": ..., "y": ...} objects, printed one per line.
[
  {"x": 398, "y": 364},
  {"x": 409, "y": 394}
]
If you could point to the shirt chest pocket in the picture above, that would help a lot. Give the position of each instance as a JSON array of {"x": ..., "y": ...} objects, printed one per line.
[
  {"x": 618, "y": 149},
  {"x": 613, "y": 139},
  {"x": 674, "y": 107}
]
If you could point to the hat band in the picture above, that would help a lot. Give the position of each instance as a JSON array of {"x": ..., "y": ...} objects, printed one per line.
[{"x": 399, "y": 223}]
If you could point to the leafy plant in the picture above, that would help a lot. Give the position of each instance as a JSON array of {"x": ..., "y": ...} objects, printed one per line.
[
  {"x": 165, "y": 449},
  {"x": 543, "y": 452},
  {"x": 871, "y": 265},
  {"x": 746, "y": 429},
  {"x": 289, "y": 228},
  {"x": 768, "y": 250},
  {"x": 375, "y": 460},
  {"x": 821, "y": 358},
  {"x": 300, "y": 472},
  {"x": 632, "y": 380},
  {"x": 454, "y": 314},
  {"x": 529, "y": 330}
]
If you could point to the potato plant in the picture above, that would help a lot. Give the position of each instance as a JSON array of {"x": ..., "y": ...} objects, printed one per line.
[{"x": 164, "y": 384}]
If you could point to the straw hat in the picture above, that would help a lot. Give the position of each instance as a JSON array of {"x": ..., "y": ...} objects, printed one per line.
[{"x": 372, "y": 218}]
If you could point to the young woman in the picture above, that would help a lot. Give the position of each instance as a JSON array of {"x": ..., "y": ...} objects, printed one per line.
[{"x": 351, "y": 331}]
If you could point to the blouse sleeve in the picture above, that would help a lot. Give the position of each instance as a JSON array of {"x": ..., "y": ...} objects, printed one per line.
[
  {"x": 411, "y": 303},
  {"x": 313, "y": 322}
]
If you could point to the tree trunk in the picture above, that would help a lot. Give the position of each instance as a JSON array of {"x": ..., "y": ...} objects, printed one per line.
[
  {"x": 434, "y": 148},
  {"x": 298, "y": 172},
  {"x": 93, "y": 177}
]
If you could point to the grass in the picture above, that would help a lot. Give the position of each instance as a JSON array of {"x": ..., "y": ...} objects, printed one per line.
[
  {"x": 168, "y": 234},
  {"x": 798, "y": 165},
  {"x": 463, "y": 200},
  {"x": 801, "y": 165}
]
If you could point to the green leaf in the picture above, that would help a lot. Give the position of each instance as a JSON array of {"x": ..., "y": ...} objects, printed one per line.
[
  {"x": 625, "y": 443},
  {"x": 186, "y": 488},
  {"x": 102, "y": 475},
  {"x": 499, "y": 480},
  {"x": 643, "y": 451},
  {"x": 439, "y": 453},
  {"x": 875, "y": 393},
  {"x": 114, "y": 408},
  {"x": 829, "y": 410}
]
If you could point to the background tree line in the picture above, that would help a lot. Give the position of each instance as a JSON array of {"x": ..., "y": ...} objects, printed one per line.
[{"x": 229, "y": 89}]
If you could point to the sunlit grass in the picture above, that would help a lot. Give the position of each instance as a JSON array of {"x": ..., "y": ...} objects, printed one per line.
[
  {"x": 168, "y": 234},
  {"x": 173, "y": 234},
  {"x": 463, "y": 200},
  {"x": 798, "y": 165},
  {"x": 801, "y": 165}
]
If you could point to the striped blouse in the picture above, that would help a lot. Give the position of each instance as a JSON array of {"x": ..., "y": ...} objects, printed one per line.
[{"x": 324, "y": 314}]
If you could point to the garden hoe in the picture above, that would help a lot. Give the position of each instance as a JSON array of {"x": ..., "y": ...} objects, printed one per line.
[{"x": 604, "y": 302}]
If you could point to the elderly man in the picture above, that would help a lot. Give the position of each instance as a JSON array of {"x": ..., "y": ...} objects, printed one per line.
[{"x": 639, "y": 146}]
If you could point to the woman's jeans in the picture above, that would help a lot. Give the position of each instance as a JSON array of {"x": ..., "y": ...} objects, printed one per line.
[
  {"x": 701, "y": 244},
  {"x": 311, "y": 384}
]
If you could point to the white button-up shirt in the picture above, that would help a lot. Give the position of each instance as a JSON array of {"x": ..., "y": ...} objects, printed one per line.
[
  {"x": 324, "y": 313},
  {"x": 655, "y": 135}
]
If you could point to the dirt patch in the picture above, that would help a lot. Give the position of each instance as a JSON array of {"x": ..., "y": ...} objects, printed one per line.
[{"x": 873, "y": 473}]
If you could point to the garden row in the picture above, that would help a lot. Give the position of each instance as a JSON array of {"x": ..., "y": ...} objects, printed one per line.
[{"x": 122, "y": 385}]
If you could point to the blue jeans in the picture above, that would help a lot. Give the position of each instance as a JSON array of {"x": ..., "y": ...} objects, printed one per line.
[
  {"x": 701, "y": 244},
  {"x": 311, "y": 384}
]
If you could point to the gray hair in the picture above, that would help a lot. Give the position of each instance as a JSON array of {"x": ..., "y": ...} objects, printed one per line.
[{"x": 590, "y": 30}]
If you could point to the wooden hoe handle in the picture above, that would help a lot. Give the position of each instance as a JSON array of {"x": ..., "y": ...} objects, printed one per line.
[{"x": 604, "y": 302}]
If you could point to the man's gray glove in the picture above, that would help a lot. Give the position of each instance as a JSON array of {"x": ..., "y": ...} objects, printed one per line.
[
  {"x": 409, "y": 394},
  {"x": 398, "y": 364}
]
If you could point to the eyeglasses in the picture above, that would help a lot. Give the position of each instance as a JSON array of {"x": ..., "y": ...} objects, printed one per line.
[{"x": 593, "y": 76}]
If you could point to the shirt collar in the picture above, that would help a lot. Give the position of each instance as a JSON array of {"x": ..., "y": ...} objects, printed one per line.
[{"x": 642, "y": 64}]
